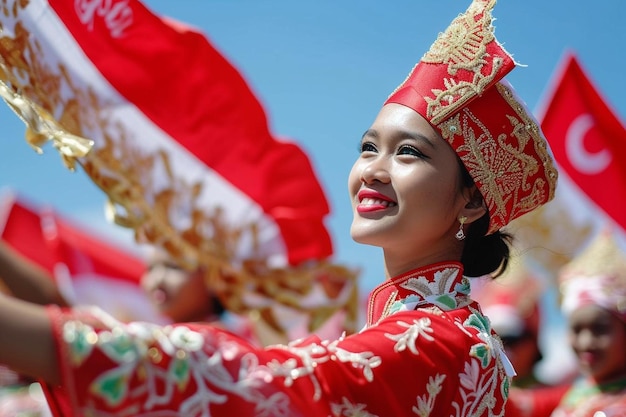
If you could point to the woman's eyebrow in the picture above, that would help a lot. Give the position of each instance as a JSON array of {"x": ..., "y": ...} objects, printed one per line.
[
  {"x": 402, "y": 134},
  {"x": 371, "y": 133},
  {"x": 417, "y": 137}
]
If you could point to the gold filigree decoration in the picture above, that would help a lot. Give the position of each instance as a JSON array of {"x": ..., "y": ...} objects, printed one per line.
[
  {"x": 56, "y": 110},
  {"x": 550, "y": 237},
  {"x": 601, "y": 259},
  {"x": 41, "y": 127},
  {"x": 502, "y": 167},
  {"x": 462, "y": 46}
]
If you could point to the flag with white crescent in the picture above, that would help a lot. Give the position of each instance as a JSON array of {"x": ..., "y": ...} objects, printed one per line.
[
  {"x": 588, "y": 141},
  {"x": 172, "y": 133}
]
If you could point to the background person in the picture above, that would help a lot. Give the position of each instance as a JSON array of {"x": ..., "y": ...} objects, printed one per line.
[{"x": 593, "y": 288}]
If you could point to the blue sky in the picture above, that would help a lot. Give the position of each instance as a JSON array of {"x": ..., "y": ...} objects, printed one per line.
[{"x": 322, "y": 70}]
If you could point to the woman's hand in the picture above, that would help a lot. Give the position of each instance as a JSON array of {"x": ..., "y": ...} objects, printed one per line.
[{"x": 26, "y": 280}]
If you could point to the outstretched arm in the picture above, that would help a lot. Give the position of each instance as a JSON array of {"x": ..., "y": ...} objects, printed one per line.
[
  {"x": 26, "y": 342},
  {"x": 27, "y": 280}
]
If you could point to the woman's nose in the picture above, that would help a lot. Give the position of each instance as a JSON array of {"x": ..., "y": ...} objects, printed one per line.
[
  {"x": 375, "y": 170},
  {"x": 585, "y": 340}
]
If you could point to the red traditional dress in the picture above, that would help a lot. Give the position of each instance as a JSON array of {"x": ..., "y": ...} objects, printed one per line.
[
  {"x": 426, "y": 350},
  {"x": 588, "y": 399},
  {"x": 538, "y": 401}
]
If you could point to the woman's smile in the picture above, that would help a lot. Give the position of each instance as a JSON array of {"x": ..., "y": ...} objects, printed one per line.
[{"x": 371, "y": 200}]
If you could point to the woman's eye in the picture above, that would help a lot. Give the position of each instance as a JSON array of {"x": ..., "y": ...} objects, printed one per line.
[
  {"x": 410, "y": 150},
  {"x": 367, "y": 147}
]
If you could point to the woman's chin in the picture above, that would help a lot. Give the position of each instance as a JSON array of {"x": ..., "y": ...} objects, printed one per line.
[{"x": 365, "y": 236}]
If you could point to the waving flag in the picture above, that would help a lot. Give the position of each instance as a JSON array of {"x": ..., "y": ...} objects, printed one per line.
[
  {"x": 88, "y": 268},
  {"x": 171, "y": 132},
  {"x": 588, "y": 141}
]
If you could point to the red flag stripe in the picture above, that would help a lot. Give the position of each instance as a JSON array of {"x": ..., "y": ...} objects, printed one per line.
[
  {"x": 205, "y": 105},
  {"x": 202, "y": 114},
  {"x": 45, "y": 238}
]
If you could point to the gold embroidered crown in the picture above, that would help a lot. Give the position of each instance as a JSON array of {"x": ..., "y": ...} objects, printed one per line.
[{"x": 458, "y": 87}]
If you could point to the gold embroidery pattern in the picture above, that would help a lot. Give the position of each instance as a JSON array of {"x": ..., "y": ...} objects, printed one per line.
[
  {"x": 462, "y": 46},
  {"x": 541, "y": 231},
  {"x": 602, "y": 260},
  {"x": 502, "y": 167},
  {"x": 388, "y": 305},
  {"x": 55, "y": 109}
]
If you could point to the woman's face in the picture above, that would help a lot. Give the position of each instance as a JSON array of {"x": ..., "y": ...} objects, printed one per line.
[
  {"x": 599, "y": 341},
  {"x": 405, "y": 189},
  {"x": 176, "y": 293}
]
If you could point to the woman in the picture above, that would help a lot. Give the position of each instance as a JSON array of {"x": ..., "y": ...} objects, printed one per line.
[
  {"x": 451, "y": 159},
  {"x": 593, "y": 287}
]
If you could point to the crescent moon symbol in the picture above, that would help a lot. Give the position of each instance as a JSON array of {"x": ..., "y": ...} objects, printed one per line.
[{"x": 585, "y": 162}]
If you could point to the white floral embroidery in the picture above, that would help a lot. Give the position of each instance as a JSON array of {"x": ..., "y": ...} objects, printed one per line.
[
  {"x": 425, "y": 404},
  {"x": 408, "y": 338},
  {"x": 477, "y": 390},
  {"x": 310, "y": 355},
  {"x": 315, "y": 354},
  {"x": 347, "y": 409},
  {"x": 184, "y": 338},
  {"x": 214, "y": 369},
  {"x": 443, "y": 283},
  {"x": 365, "y": 360}
]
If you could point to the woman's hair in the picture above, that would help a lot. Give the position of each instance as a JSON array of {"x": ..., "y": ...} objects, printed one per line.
[{"x": 483, "y": 254}]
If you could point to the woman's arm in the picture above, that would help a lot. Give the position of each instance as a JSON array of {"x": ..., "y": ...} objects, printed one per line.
[
  {"x": 26, "y": 342},
  {"x": 27, "y": 280}
]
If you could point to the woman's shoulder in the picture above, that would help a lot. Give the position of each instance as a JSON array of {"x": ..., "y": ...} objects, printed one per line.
[{"x": 458, "y": 329}]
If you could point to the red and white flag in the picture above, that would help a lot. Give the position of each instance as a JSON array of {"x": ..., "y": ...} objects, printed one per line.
[
  {"x": 587, "y": 138},
  {"x": 588, "y": 142},
  {"x": 170, "y": 130}
]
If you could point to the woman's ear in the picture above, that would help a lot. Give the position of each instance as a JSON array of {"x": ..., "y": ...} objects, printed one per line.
[{"x": 475, "y": 208}]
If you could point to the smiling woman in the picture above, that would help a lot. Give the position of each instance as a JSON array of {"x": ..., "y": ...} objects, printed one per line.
[
  {"x": 405, "y": 163},
  {"x": 453, "y": 156}
]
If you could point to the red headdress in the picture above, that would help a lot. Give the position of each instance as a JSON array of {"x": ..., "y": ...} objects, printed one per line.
[{"x": 458, "y": 87}]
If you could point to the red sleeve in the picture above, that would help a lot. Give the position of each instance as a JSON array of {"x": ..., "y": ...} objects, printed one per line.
[
  {"x": 534, "y": 402},
  {"x": 57, "y": 399},
  {"x": 404, "y": 365}
]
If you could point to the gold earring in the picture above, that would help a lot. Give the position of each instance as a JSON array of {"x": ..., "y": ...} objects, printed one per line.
[{"x": 460, "y": 235}]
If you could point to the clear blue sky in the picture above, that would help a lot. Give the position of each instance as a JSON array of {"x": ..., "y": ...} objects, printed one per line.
[{"x": 323, "y": 68}]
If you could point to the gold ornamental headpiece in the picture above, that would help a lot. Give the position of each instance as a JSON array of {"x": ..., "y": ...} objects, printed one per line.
[
  {"x": 459, "y": 87},
  {"x": 596, "y": 276}
]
